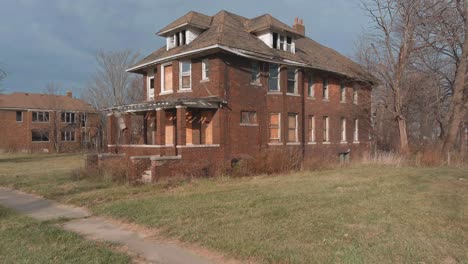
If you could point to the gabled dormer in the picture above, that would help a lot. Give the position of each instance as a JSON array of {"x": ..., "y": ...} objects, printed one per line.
[
  {"x": 275, "y": 33},
  {"x": 185, "y": 29}
]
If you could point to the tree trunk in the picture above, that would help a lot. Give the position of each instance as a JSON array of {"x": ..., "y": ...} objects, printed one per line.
[{"x": 404, "y": 149}]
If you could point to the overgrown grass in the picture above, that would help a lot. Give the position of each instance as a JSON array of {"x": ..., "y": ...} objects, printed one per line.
[
  {"x": 24, "y": 240},
  {"x": 363, "y": 214}
]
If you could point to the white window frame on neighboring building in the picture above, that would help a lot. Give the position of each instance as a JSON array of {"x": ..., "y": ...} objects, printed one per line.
[
  {"x": 356, "y": 131},
  {"x": 343, "y": 130},
  {"x": 205, "y": 69},
  {"x": 326, "y": 129},
  {"x": 185, "y": 74}
]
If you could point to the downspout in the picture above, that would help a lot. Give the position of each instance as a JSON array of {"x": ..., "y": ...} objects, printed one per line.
[{"x": 303, "y": 140}]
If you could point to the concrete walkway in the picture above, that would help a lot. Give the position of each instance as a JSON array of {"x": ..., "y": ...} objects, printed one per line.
[{"x": 91, "y": 227}]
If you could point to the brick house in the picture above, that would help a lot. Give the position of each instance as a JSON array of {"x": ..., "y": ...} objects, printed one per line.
[
  {"x": 226, "y": 87},
  {"x": 46, "y": 123}
]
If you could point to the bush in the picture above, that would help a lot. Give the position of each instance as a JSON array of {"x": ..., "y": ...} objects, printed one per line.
[{"x": 389, "y": 158}]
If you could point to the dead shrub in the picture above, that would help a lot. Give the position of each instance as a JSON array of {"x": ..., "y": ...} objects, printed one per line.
[
  {"x": 78, "y": 174},
  {"x": 321, "y": 162},
  {"x": 270, "y": 161},
  {"x": 115, "y": 170},
  {"x": 388, "y": 158}
]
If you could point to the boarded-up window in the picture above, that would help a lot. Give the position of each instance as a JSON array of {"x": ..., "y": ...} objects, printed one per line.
[
  {"x": 206, "y": 127},
  {"x": 169, "y": 128},
  {"x": 167, "y": 78},
  {"x": 292, "y": 127},
  {"x": 326, "y": 137},
  {"x": 275, "y": 131}
]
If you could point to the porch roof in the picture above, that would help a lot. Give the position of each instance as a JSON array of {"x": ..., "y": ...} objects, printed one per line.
[{"x": 201, "y": 103}]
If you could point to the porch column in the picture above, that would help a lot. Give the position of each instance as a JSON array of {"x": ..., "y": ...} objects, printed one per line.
[
  {"x": 161, "y": 128},
  {"x": 127, "y": 133},
  {"x": 110, "y": 130},
  {"x": 145, "y": 128},
  {"x": 181, "y": 125}
]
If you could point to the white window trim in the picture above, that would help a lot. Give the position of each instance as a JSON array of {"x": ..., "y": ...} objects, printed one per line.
[
  {"x": 148, "y": 85},
  {"x": 327, "y": 129},
  {"x": 311, "y": 86},
  {"x": 343, "y": 130},
  {"x": 182, "y": 74},
  {"x": 279, "y": 130},
  {"x": 355, "y": 96},
  {"x": 342, "y": 93},
  {"x": 22, "y": 116},
  {"x": 326, "y": 90},
  {"x": 312, "y": 135},
  {"x": 163, "y": 87},
  {"x": 65, "y": 140},
  {"x": 205, "y": 62},
  {"x": 356, "y": 131},
  {"x": 296, "y": 80},
  {"x": 43, "y": 112},
  {"x": 258, "y": 75}
]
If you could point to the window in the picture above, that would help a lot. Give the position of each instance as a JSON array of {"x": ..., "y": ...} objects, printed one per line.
[
  {"x": 38, "y": 135},
  {"x": 185, "y": 77},
  {"x": 83, "y": 119},
  {"x": 273, "y": 78},
  {"x": 19, "y": 116},
  {"x": 205, "y": 69},
  {"x": 67, "y": 117},
  {"x": 178, "y": 39},
  {"x": 166, "y": 78},
  {"x": 68, "y": 136},
  {"x": 311, "y": 87},
  {"x": 275, "y": 128},
  {"x": 311, "y": 128},
  {"x": 292, "y": 86},
  {"x": 326, "y": 137},
  {"x": 356, "y": 130},
  {"x": 325, "y": 89},
  {"x": 283, "y": 42},
  {"x": 248, "y": 117},
  {"x": 343, "y": 129},
  {"x": 355, "y": 96},
  {"x": 40, "y": 116},
  {"x": 342, "y": 93},
  {"x": 292, "y": 127},
  {"x": 151, "y": 82},
  {"x": 255, "y": 78}
]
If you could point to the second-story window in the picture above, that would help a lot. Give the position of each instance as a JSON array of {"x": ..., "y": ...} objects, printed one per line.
[
  {"x": 185, "y": 77},
  {"x": 67, "y": 117},
  {"x": 40, "y": 116},
  {"x": 326, "y": 130},
  {"x": 248, "y": 117},
  {"x": 255, "y": 77},
  {"x": 273, "y": 78},
  {"x": 205, "y": 69},
  {"x": 166, "y": 78},
  {"x": 342, "y": 93},
  {"x": 343, "y": 129},
  {"x": 283, "y": 42},
  {"x": 311, "y": 87},
  {"x": 355, "y": 96},
  {"x": 325, "y": 89},
  {"x": 292, "y": 84}
]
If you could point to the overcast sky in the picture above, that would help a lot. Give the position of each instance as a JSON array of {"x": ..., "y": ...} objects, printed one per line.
[{"x": 43, "y": 41}]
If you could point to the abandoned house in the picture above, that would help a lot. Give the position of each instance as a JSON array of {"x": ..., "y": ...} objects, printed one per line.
[
  {"x": 46, "y": 123},
  {"x": 226, "y": 87}
]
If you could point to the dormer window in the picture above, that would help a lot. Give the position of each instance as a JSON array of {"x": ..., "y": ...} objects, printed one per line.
[
  {"x": 283, "y": 42},
  {"x": 177, "y": 39}
]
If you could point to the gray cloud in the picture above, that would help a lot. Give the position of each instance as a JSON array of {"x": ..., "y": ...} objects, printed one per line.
[{"x": 55, "y": 40}]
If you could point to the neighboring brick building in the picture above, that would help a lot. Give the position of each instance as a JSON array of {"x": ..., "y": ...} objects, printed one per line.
[
  {"x": 226, "y": 87},
  {"x": 46, "y": 123}
]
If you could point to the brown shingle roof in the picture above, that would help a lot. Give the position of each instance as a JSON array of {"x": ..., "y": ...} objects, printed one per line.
[
  {"x": 43, "y": 102},
  {"x": 192, "y": 18},
  {"x": 234, "y": 31}
]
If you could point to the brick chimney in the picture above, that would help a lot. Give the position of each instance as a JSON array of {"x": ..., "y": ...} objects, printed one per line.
[
  {"x": 70, "y": 94},
  {"x": 299, "y": 26}
]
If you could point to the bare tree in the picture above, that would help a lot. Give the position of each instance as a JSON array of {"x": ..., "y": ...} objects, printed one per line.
[
  {"x": 2, "y": 76},
  {"x": 54, "y": 104},
  {"x": 111, "y": 84},
  {"x": 391, "y": 46},
  {"x": 444, "y": 29}
]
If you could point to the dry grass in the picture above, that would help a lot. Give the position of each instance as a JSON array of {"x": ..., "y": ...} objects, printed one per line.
[{"x": 383, "y": 158}]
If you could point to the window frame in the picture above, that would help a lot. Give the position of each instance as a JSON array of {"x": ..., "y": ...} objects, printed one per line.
[
  {"x": 343, "y": 130},
  {"x": 43, "y": 134},
  {"x": 342, "y": 93},
  {"x": 326, "y": 129},
  {"x": 311, "y": 129},
  {"x": 251, "y": 116},
  {"x": 288, "y": 71},
  {"x": 205, "y": 69},
  {"x": 296, "y": 134},
  {"x": 67, "y": 136},
  {"x": 21, "y": 116},
  {"x": 311, "y": 86},
  {"x": 40, "y": 115},
  {"x": 325, "y": 89},
  {"x": 270, "y": 126},
  {"x": 65, "y": 116},
  {"x": 163, "y": 78},
  {"x": 185, "y": 74},
  {"x": 255, "y": 72},
  {"x": 355, "y": 96},
  {"x": 277, "y": 78},
  {"x": 356, "y": 131}
]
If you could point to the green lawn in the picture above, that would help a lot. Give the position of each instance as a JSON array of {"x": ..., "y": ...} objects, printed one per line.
[
  {"x": 24, "y": 240},
  {"x": 347, "y": 215}
]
